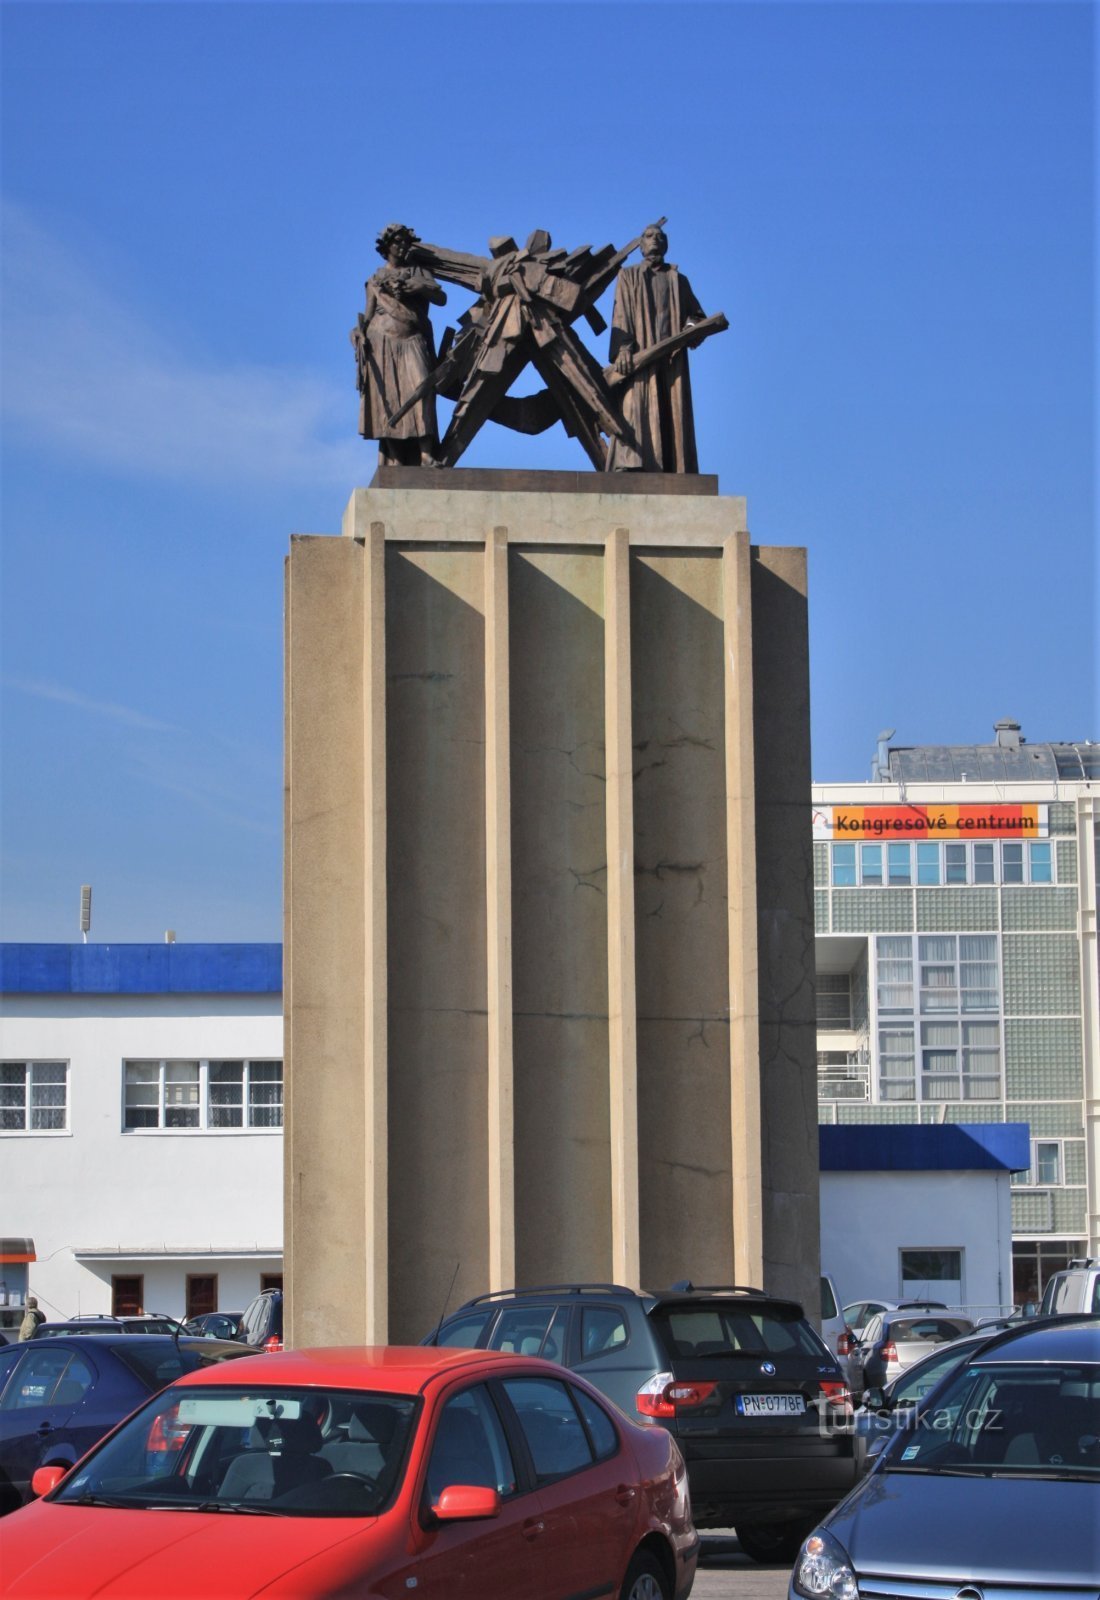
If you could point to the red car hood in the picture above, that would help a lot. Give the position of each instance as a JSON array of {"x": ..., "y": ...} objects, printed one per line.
[{"x": 91, "y": 1551}]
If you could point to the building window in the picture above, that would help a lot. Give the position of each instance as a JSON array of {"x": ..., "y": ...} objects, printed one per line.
[
  {"x": 870, "y": 864},
  {"x": 844, "y": 865},
  {"x": 895, "y": 975},
  {"x": 128, "y": 1295},
  {"x": 1046, "y": 1170},
  {"x": 920, "y": 1268},
  {"x": 203, "y": 1095},
  {"x": 928, "y": 863},
  {"x": 960, "y": 1060},
  {"x": 34, "y": 1096},
  {"x": 899, "y": 863},
  {"x": 834, "y": 1001},
  {"x": 994, "y": 861},
  {"x": 202, "y": 1294},
  {"x": 939, "y": 999},
  {"x": 246, "y": 1094},
  {"x": 897, "y": 1064},
  {"x": 1040, "y": 860}
]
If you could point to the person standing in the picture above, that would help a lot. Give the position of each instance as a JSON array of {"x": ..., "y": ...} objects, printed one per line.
[
  {"x": 31, "y": 1318},
  {"x": 653, "y": 301},
  {"x": 395, "y": 352}
]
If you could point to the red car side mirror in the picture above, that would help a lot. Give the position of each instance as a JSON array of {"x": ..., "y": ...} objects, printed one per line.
[
  {"x": 466, "y": 1502},
  {"x": 47, "y": 1478}
]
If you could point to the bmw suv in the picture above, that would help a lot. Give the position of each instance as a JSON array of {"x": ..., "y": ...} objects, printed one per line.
[
  {"x": 262, "y": 1321},
  {"x": 754, "y": 1398}
]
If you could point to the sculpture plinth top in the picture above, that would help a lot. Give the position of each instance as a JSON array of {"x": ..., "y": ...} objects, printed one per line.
[{"x": 633, "y": 415}]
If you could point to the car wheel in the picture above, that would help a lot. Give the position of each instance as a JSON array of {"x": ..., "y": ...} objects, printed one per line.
[
  {"x": 770, "y": 1541},
  {"x": 645, "y": 1579}
]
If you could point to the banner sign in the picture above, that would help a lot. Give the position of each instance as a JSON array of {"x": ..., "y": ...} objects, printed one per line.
[{"x": 929, "y": 822}]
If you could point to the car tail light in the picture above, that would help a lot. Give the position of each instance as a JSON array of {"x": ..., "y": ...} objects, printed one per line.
[
  {"x": 837, "y": 1396},
  {"x": 889, "y": 1351},
  {"x": 664, "y": 1395},
  {"x": 273, "y": 1345},
  {"x": 685, "y": 1396},
  {"x": 651, "y": 1399},
  {"x": 167, "y": 1432},
  {"x": 844, "y": 1342}
]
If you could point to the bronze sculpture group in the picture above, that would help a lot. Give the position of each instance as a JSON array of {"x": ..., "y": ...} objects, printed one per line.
[{"x": 632, "y": 415}]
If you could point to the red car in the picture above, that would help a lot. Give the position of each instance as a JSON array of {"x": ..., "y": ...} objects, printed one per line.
[{"x": 368, "y": 1472}]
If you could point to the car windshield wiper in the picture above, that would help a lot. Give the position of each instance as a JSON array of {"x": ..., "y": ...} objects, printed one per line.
[
  {"x": 1043, "y": 1469},
  {"x": 90, "y": 1498}
]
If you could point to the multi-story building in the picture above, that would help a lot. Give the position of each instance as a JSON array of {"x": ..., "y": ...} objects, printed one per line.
[
  {"x": 956, "y": 940},
  {"x": 141, "y": 1120}
]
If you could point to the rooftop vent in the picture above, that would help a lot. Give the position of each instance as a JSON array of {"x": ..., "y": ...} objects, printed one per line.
[
  {"x": 880, "y": 761},
  {"x": 1008, "y": 734}
]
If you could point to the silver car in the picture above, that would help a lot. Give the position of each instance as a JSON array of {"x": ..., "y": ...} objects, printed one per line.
[{"x": 991, "y": 1490}]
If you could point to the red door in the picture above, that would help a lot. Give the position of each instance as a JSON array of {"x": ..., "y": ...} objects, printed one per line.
[
  {"x": 495, "y": 1559},
  {"x": 587, "y": 1485}
]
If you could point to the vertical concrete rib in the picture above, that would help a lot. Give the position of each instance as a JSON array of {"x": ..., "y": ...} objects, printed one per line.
[
  {"x": 748, "y": 1235},
  {"x": 622, "y": 1014},
  {"x": 376, "y": 999},
  {"x": 498, "y": 881},
  {"x": 1088, "y": 822}
]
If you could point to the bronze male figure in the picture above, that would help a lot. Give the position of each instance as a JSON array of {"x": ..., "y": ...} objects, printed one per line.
[
  {"x": 395, "y": 354},
  {"x": 653, "y": 301}
]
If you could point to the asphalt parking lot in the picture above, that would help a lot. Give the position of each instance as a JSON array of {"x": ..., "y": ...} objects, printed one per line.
[{"x": 725, "y": 1574}]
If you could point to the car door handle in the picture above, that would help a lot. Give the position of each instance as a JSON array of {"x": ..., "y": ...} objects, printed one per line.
[
  {"x": 44, "y": 1428},
  {"x": 624, "y": 1494},
  {"x": 533, "y": 1527}
]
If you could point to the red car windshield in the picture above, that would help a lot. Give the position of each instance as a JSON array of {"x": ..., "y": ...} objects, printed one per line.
[{"x": 283, "y": 1451}]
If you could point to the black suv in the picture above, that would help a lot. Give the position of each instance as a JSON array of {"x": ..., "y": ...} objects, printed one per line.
[
  {"x": 758, "y": 1406},
  {"x": 262, "y": 1321}
]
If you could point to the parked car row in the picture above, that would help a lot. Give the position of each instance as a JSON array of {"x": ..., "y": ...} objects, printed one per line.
[
  {"x": 989, "y": 1484},
  {"x": 520, "y": 1474}
]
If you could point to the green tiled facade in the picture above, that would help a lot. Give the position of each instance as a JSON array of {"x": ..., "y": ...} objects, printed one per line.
[
  {"x": 872, "y": 910},
  {"x": 1041, "y": 975},
  {"x": 957, "y": 911},
  {"x": 1016, "y": 987}
]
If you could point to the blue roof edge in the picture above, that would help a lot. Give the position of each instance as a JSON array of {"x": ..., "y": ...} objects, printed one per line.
[
  {"x": 141, "y": 968},
  {"x": 925, "y": 1147}
]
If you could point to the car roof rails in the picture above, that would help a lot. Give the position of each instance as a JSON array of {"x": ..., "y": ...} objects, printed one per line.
[
  {"x": 1086, "y": 1261},
  {"x": 548, "y": 1288},
  {"x": 685, "y": 1286}
]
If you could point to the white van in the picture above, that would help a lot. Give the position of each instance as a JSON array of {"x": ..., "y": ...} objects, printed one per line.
[
  {"x": 1075, "y": 1289},
  {"x": 832, "y": 1320}
]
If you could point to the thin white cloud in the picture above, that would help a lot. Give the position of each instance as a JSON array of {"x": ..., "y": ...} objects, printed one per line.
[
  {"x": 82, "y": 702},
  {"x": 86, "y": 375}
]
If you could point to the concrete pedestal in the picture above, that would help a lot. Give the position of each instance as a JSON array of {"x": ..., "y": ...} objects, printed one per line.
[{"x": 549, "y": 937}]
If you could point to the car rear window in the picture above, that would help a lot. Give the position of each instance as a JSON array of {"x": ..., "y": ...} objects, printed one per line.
[
  {"x": 935, "y": 1329},
  {"x": 154, "y": 1366},
  {"x": 728, "y": 1329}
]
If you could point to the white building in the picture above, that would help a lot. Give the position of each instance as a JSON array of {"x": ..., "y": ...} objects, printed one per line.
[
  {"x": 911, "y": 1211},
  {"x": 958, "y": 974},
  {"x": 141, "y": 1113}
]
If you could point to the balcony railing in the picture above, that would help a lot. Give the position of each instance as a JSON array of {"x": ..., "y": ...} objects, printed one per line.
[{"x": 851, "y": 1082}]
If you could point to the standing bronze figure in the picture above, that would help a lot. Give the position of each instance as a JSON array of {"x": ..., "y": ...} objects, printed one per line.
[
  {"x": 395, "y": 354},
  {"x": 653, "y": 302}
]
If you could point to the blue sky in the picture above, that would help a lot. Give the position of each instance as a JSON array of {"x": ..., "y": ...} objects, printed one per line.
[{"x": 893, "y": 203}]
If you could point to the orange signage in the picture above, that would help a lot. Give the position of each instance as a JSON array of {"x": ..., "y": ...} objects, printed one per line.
[{"x": 936, "y": 822}]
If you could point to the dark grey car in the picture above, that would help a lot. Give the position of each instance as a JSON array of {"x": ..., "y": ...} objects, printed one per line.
[
  {"x": 748, "y": 1389},
  {"x": 991, "y": 1489}
]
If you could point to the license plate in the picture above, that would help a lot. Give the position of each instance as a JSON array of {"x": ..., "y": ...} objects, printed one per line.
[{"x": 770, "y": 1405}]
